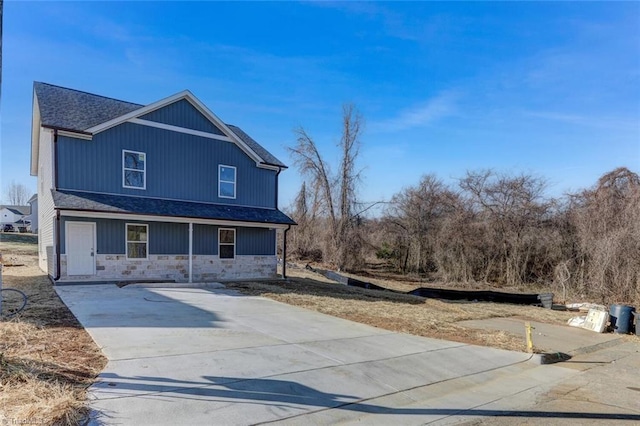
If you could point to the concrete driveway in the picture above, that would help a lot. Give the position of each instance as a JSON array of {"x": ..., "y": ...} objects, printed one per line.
[{"x": 211, "y": 356}]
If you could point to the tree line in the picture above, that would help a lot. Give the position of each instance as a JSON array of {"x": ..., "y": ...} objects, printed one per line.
[{"x": 490, "y": 227}]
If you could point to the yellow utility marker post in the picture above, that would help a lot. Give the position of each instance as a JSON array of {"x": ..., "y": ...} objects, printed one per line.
[{"x": 528, "y": 328}]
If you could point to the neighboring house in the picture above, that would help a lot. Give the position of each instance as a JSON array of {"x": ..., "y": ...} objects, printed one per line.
[
  {"x": 33, "y": 217},
  {"x": 14, "y": 215},
  {"x": 165, "y": 191}
]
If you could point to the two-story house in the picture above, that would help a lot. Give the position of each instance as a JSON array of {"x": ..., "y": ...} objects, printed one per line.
[{"x": 165, "y": 191}]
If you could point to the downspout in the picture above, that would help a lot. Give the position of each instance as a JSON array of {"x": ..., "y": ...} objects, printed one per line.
[
  {"x": 284, "y": 237},
  {"x": 190, "y": 252},
  {"x": 276, "y": 200},
  {"x": 55, "y": 159},
  {"x": 284, "y": 253},
  {"x": 55, "y": 187},
  {"x": 57, "y": 277}
]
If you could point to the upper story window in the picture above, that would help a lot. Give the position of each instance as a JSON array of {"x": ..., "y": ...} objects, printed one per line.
[
  {"x": 134, "y": 169},
  {"x": 226, "y": 181}
]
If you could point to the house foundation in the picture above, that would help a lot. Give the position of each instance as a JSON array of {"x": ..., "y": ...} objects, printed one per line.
[{"x": 116, "y": 267}]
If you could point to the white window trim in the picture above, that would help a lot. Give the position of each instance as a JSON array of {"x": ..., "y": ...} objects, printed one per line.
[
  {"x": 227, "y": 244},
  {"x": 144, "y": 171},
  {"x": 126, "y": 240},
  {"x": 220, "y": 181}
]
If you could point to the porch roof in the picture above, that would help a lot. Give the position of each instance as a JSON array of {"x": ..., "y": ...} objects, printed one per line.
[{"x": 123, "y": 204}]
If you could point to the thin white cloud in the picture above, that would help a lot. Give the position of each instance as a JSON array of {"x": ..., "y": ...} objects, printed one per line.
[
  {"x": 558, "y": 116},
  {"x": 587, "y": 120},
  {"x": 421, "y": 115},
  {"x": 405, "y": 26}
]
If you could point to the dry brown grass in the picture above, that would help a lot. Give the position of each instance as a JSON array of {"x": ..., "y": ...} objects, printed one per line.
[
  {"x": 47, "y": 360},
  {"x": 400, "y": 312}
]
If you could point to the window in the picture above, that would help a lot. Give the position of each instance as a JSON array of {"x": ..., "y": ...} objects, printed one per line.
[
  {"x": 134, "y": 169},
  {"x": 137, "y": 241},
  {"x": 227, "y": 243},
  {"x": 226, "y": 181}
]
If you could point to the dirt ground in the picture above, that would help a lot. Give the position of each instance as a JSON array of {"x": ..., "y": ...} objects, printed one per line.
[{"x": 47, "y": 360}]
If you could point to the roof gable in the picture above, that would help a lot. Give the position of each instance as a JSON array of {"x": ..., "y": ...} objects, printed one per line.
[
  {"x": 186, "y": 95},
  {"x": 183, "y": 114}
]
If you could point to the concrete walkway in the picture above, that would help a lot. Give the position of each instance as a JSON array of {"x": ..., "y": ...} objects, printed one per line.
[
  {"x": 551, "y": 338},
  {"x": 211, "y": 356}
]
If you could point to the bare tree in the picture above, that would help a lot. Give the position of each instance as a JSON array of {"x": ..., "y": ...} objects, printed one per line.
[
  {"x": 349, "y": 240},
  {"x": 416, "y": 213},
  {"x": 311, "y": 164},
  {"x": 303, "y": 243},
  {"x": 606, "y": 219},
  {"x": 17, "y": 194},
  {"x": 334, "y": 195},
  {"x": 461, "y": 252},
  {"x": 514, "y": 208}
]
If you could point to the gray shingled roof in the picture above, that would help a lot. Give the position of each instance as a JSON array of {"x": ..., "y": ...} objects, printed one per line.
[
  {"x": 19, "y": 210},
  {"x": 255, "y": 146},
  {"x": 68, "y": 109},
  {"x": 85, "y": 201}
]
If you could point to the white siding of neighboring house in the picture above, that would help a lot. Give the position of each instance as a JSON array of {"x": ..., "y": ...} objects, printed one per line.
[
  {"x": 7, "y": 216},
  {"x": 46, "y": 213},
  {"x": 33, "y": 217}
]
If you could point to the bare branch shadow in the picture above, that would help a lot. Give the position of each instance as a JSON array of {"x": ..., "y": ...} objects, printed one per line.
[{"x": 278, "y": 392}]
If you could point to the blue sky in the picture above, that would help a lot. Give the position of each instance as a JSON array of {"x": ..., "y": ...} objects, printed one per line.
[{"x": 547, "y": 88}]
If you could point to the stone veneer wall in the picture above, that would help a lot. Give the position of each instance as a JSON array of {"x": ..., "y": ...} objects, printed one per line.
[{"x": 175, "y": 267}]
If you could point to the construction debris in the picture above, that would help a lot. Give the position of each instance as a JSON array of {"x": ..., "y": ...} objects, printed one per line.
[
  {"x": 596, "y": 320},
  {"x": 585, "y": 307}
]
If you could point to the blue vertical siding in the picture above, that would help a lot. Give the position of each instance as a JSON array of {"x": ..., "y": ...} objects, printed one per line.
[
  {"x": 168, "y": 238},
  {"x": 178, "y": 166},
  {"x": 111, "y": 236},
  {"x": 173, "y": 238},
  {"x": 205, "y": 240},
  {"x": 183, "y": 114},
  {"x": 255, "y": 241}
]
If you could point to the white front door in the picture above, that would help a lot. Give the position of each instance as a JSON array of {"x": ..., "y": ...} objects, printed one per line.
[{"x": 80, "y": 247}]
